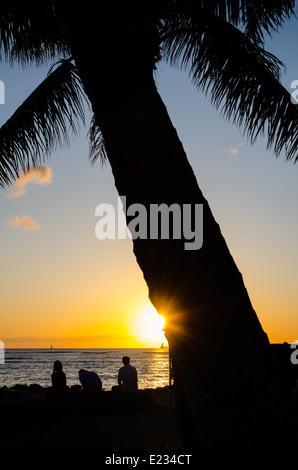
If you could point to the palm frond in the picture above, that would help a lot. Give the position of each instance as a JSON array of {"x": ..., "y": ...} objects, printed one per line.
[
  {"x": 254, "y": 17},
  {"x": 43, "y": 123},
  {"x": 265, "y": 16},
  {"x": 30, "y": 32},
  {"x": 241, "y": 78},
  {"x": 96, "y": 143},
  {"x": 37, "y": 50}
]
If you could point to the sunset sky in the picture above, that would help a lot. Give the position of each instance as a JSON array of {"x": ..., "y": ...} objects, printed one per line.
[{"x": 60, "y": 285}]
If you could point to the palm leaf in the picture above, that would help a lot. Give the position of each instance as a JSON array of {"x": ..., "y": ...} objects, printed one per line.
[
  {"x": 42, "y": 123},
  {"x": 30, "y": 31},
  {"x": 254, "y": 17},
  {"x": 96, "y": 143},
  {"x": 36, "y": 49},
  {"x": 264, "y": 16},
  {"x": 241, "y": 78}
]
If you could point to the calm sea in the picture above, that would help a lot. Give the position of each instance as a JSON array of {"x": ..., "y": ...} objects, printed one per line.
[{"x": 28, "y": 366}]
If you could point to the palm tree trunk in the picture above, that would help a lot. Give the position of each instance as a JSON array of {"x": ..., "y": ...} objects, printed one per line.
[{"x": 229, "y": 390}]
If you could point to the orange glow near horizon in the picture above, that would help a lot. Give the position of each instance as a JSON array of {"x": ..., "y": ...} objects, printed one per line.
[
  {"x": 147, "y": 327},
  {"x": 138, "y": 326},
  {"x": 135, "y": 324}
]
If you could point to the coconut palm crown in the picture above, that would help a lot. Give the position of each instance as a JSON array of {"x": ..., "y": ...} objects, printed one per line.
[{"x": 220, "y": 43}]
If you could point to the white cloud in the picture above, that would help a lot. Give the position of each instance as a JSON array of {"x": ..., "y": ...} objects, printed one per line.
[
  {"x": 24, "y": 222},
  {"x": 235, "y": 150},
  {"x": 41, "y": 175}
]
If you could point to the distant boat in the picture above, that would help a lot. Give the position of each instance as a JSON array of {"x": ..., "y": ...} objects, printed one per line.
[
  {"x": 162, "y": 346},
  {"x": 51, "y": 346}
]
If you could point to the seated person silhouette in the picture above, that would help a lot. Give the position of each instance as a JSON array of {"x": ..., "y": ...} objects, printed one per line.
[
  {"x": 128, "y": 377},
  {"x": 58, "y": 379},
  {"x": 90, "y": 381}
]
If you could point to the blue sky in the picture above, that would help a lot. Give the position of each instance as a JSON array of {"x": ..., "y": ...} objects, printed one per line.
[{"x": 47, "y": 274}]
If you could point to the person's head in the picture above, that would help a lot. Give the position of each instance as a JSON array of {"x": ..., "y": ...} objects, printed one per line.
[
  {"x": 125, "y": 360},
  {"x": 58, "y": 366}
]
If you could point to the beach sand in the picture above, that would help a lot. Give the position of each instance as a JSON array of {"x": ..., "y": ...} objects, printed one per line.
[{"x": 36, "y": 422}]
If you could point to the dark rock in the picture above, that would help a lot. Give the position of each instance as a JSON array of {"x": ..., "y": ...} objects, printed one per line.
[{"x": 36, "y": 388}]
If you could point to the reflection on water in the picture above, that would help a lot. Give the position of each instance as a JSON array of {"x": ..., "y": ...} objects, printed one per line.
[{"x": 27, "y": 366}]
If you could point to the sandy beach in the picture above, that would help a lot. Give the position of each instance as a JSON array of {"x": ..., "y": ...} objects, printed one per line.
[{"x": 33, "y": 421}]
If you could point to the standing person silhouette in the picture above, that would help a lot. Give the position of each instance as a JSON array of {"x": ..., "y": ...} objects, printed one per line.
[{"x": 127, "y": 377}]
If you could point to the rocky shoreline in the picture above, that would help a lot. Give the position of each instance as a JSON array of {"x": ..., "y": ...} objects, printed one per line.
[
  {"x": 32, "y": 418},
  {"x": 73, "y": 392}
]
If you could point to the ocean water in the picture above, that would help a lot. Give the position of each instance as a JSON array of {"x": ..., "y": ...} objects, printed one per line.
[{"x": 28, "y": 366}]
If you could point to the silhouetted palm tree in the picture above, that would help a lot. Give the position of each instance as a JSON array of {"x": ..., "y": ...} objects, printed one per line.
[{"x": 229, "y": 392}]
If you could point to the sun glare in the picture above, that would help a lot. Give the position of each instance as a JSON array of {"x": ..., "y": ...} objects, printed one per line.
[{"x": 147, "y": 327}]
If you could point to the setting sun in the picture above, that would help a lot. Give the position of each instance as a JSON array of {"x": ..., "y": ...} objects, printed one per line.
[{"x": 147, "y": 327}]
